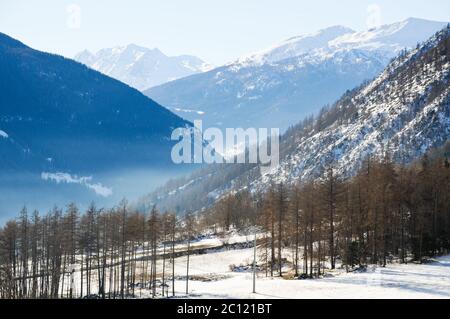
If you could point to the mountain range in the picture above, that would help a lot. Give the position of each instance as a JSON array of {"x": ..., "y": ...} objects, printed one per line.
[
  {"x": 279, "y": 86},
  {"x": 403, "y": 113},
  {"x": 141, "y": 67},
  {"x": 68, "y": 131}
]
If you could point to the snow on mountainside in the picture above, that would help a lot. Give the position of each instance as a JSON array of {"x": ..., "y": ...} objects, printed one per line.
[
  {"x": 405, "y": 110},
  {"x": 295, "y": 46},
  {"x": 390, "y": 38},
  {"x": 272, "y": 95},
  {"x": 280, "y": 86},
  {"x": 141, "y": 67}
]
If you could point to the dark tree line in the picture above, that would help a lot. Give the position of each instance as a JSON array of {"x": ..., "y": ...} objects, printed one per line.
[
  {"x": 385, "y": 212},
  {"x": 116, "y": 253}
]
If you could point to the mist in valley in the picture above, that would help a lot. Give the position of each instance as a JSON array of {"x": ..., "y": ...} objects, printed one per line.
[{"x": 45, "y": 190}]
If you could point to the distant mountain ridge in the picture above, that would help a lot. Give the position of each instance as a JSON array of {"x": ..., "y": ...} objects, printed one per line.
[
  {"x": 141, "y": 67},
  {"x": 390, "y": 38},
  {"x": 279, "y": 86},
  {"x": 61, "y": 121},
  {"x": 295, "y": 46}
]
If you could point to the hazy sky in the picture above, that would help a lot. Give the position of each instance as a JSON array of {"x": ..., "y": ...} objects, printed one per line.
[{"x": 215, "y": 30}]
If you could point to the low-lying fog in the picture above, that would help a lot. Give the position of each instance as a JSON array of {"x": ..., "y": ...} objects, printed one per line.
[{"x": 45, "y": 190}]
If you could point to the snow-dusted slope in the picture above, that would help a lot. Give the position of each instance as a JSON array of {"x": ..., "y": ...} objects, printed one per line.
[
  {"x": 405, "y": 110},
  {"x": 279, "y": 86},
  {"x": 295, "y": 46},
  {"x": 141, "y": 67}
]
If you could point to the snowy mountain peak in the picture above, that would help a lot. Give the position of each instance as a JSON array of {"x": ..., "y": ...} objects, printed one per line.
[
  {"x": 280, "y": 86},
  {"x": 323, "y": 35},
  {"x": 141, "y": 67},
  {"x": 296, "y": 46},
  {"x": 85, "y": 54},
  {"x": 390, "y": 37},
  {"x": 136, "y": 49}
]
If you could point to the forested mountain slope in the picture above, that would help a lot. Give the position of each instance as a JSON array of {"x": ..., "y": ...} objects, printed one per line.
[
  {"x": 59, "y": 113},
  {"x": 405, "y": 111},
  {"x": 68, "y": 132}
]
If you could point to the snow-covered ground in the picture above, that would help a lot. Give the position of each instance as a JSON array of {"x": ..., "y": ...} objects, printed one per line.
[
  {"x": 394, "y": 281},
  {"x": 211, "y": 277}
]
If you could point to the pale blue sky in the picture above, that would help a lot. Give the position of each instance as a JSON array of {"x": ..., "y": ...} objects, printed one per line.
[{"x": 215, "y": 30}]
